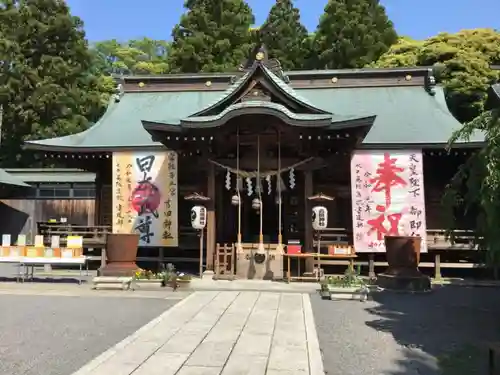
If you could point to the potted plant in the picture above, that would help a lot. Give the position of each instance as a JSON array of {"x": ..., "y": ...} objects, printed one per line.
[
  {"x": 351, "y": 285},
  {"x": 142, "y": 276},
  {"x": 183, "y": 279},
  {"x": 169, "y": 276},
  {"x": 174, "y": 279},
  {"x": 121, "y": 253}
]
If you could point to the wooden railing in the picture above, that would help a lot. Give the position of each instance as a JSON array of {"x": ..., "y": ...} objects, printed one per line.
[
  {"x": 461, "y": 254},
  {"x": 439, "y": 246},
  {"x": 463, "y": 240},
  {"x": 94, "y": 237},
  {"x": 436, "y": 239}
]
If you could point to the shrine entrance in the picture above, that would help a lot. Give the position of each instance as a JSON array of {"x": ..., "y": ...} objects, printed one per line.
[
  {"x": 251, "y": 220},
  {"x": 260, "y": 187},
  {"x": 260, "y": 144}
]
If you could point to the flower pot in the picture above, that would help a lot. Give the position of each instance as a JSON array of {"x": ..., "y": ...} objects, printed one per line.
[
  {"x": 403, "y": 257},
  {"x": 121, "y": 252}
]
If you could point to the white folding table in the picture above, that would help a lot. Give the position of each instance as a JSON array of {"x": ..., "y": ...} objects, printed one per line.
[{"x": 32, "y": 261}]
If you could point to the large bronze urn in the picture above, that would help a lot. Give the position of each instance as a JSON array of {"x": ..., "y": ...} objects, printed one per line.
[
  {"x": 403, "y": 257},
  {"x": 121, "y": 253}
]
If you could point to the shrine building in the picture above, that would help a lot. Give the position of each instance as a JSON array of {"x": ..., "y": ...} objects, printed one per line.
[{"x": 260, "y": 143}]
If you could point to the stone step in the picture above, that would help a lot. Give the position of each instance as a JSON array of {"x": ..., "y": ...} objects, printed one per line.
[{"x": 110, "y": 281}]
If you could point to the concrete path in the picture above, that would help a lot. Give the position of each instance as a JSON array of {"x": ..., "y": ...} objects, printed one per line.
[{"x": 228, "y": 333}]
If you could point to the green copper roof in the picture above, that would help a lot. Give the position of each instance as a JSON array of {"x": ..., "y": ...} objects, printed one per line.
[
  {"x": 121, "y": 126},
  {"x": 225, "y": 95},
  {"x": 51, "y": 175},
  {"x": 290, "y": 91},
  {"x": 232, "y": 91},
  {"x": 404, "y": 115},
  {"x": 8, "y": 179}
]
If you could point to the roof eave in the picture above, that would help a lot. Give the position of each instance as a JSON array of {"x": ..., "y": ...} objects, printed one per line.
[
  {"x": 85, "y": 149},
  {"x": 403, "y": 146},
  {"x": 191, "y": 123}
]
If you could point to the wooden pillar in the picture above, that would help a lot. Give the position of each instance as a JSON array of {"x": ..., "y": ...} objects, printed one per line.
[
  {"x": 437, "y": 266},
  {"x": 211, "y": 219},
  {"x": 308, "y": 192},
  {"x": 308, "y": 238},
  {"x": 97, "y": 201},
  {"x": 371, "y": 266}
]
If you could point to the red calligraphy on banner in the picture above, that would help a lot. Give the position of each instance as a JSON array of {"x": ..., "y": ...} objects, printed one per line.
[
  {"x": 387, "y": 177},
  {"x": 377, "y": 224}
]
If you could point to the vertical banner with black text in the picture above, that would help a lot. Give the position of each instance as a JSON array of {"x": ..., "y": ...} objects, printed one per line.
[{"x": 145, "y": 194}]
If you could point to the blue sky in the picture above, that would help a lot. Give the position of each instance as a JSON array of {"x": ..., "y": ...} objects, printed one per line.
[{"x": 129, "y": 19}]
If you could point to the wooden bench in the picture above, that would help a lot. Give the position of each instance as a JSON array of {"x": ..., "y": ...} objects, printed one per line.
[{"x": 124, "y": 282}]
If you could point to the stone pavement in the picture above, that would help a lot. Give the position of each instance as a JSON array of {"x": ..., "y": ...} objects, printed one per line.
[{"x": 226, "y": 333}]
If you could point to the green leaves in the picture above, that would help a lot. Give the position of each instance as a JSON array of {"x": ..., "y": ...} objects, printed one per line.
[
  {"x": 353, "y": 34},
  {"x": 284, "y": 36},
  {"x": 135, "y": 57},
  {"x": 465, "y": 58},
  {"x": 47, "y": 88},
  {"x": 212, "y": 36},
  {"x": 475, "y": 187}
]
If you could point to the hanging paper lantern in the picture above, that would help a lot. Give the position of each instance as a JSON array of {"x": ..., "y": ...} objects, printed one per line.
[
  {"x": 198, "y": 217},
  {"x": 228, "y": 180},
  {"x": 256, "y": 204},
  {"x": 319, "y": 218},
  {"x": 235, "y": 200}
]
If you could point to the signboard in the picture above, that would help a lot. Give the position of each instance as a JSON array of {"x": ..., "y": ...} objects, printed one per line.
[
  {"x": 387, "y": 197},
  {"x": 145, "y": 196}
]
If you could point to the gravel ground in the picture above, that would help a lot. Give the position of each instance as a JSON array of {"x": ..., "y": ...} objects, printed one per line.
[
  {"x": 444, "y": 332},
  {"x": 54, "y": 335}
]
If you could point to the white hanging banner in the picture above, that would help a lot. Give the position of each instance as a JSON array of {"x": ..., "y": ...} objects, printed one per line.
[
  {"x": 387, "y": 197},
  {"x": 145, "y": 196}
]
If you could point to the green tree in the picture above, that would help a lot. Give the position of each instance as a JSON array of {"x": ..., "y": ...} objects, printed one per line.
[
  {"x": 463, "y": 61},
  {"x": 46, "y": 87},
  {"x": 475, "y": 188},
  {"x": 141, "y": 56},
  {"x": 404, "y": 53},
  {"x": 352, "y": 34},
  {"x": 212, "y": 36},
  {"x": 284, "y": 36}
]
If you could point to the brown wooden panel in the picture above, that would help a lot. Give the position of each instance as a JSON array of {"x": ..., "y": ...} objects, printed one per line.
[
  {"x": 106, "y": 206},
  {"x": 19, "y": 216}
]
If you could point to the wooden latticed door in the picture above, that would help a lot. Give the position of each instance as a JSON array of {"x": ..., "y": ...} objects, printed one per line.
[{"x": 224, "y": 261}]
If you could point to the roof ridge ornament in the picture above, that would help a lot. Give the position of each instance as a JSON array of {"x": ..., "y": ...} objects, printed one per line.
[
  {"x": 430, "y": 81},
  {"x": 119, "y": 92},
  {"x": 493, "y": 99},
  {"x": 260, "y": 56}
]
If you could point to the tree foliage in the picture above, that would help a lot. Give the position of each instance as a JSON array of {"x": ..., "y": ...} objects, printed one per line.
[
  {"x": 212, "y": 36},
  {"x": 284, "y": 35},
  {"x": 141, "y": 56},
  {"x": 475, "y": 188},
  {"x": 46, "y": 88},
  {"x": 352, "y": 34},
  {"x": 464, "y": 63}
]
